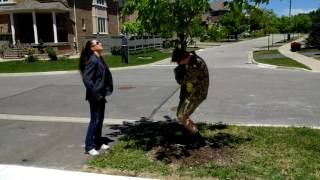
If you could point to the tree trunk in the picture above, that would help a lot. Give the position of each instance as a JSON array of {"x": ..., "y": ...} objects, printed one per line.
[{"x": 183, "y": 41}]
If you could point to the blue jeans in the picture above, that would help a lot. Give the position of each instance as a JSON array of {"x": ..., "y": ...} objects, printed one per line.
[{"x": 93, "y": 138}]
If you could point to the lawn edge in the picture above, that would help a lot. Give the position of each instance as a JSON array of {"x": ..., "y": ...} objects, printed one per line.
[{"x": 271, "y": 66}]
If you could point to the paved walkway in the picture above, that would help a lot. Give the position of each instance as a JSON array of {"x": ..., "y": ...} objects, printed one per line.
[
  {"x": 11, "y": 172},
  {"x": 310, "y": 62}
]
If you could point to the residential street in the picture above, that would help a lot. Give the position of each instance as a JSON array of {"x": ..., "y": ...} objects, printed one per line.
[{"x": 240, "y": 93}]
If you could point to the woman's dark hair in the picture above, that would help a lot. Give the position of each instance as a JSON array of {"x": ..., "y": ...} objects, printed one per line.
[
  {"x": 85, "y": 55},
  {"x": 179, "y": 54}
]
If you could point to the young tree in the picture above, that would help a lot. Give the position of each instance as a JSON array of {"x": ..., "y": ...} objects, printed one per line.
[{"x": 168, "y": 16}]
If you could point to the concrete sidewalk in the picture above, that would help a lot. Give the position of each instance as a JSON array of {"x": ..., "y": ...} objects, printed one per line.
[
  {"x": 12, "y": 172},
  {"x": 310, "y": 62}
]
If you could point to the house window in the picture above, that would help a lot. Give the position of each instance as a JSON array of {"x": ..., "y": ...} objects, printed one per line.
[
  {"x": 101, "y": 25},
  {"x": 83, "y": 25},
  {"x": 101, "y": 2}
]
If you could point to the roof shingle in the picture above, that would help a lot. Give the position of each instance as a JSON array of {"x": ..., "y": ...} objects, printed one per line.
[{"x": 32, "y": 5}]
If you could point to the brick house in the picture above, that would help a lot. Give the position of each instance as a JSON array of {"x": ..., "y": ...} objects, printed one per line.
[
  {"x": 217, "y": 9},
  {"x": 62, "y": 24}
]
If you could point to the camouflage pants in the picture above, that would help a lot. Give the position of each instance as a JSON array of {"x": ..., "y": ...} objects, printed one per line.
[{"x": 188, "y": 105}]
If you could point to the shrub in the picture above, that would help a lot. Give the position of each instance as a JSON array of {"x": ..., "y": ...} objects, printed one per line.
[
  {"x": 30, "y": 55},
  {"x": 295, "y": 46},
  {"x": 314, "y": 37},
  {"x": 204, "y": 38},
  {"x": 216, "y": 33},
  {"x": 1, "y": 52},
  {"x": 116, "y": 50},
  {"x": 52, "y": 54},
  {"x": 166, "y": 44},
  {"x": 41, "y": 47}
]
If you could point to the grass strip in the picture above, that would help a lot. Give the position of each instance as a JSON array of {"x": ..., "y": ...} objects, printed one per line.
[
  {"x": 72, "y": 64},
  {"x": 237, "y": 153},
  {"x": 284, "y": 62}
]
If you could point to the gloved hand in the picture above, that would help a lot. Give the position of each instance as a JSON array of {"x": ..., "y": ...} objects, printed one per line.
[{"x": 189, "y": 87}]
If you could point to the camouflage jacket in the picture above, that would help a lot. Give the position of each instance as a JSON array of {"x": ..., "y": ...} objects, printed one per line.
[{"x": 196, "y": 72}]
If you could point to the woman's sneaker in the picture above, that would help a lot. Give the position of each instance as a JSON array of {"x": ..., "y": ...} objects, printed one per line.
[
  {"x": 104, "y": 147},
  {"x": 93, "y": 152}
]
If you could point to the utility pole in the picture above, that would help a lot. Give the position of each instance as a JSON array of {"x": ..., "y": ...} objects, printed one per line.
[
  {"x": 290, "y": 9},
  {"x": 76, "y": 44},
  {"x": 290, "y": 5}
]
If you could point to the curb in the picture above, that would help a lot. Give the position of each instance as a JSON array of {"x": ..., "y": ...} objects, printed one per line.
[
  {"x": 76, "y": 71},
  {"x": 282, "y": 50},
  {"x": 253, "y": 61},
  {"x": 38, "y": 73},
  {"x": 108, "y": 121},
  {"x": 81, "y": 120},
  {"x": 274, "y": 125},
  {"x": 18, "y": 172}
]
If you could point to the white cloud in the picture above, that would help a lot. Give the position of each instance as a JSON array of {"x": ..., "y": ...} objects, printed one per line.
[{"x": 297, "y": 11}]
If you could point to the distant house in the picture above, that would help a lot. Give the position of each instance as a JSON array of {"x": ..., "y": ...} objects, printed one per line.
[
  {"x": 63, "y": 24},
  {"x": 217, "y": 9}
]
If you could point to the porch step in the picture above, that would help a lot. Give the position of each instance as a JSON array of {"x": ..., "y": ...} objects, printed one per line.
[{"x": 14, "y": 53}]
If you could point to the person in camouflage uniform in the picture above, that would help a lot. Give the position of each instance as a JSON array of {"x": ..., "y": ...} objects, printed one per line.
[{"x": 193, "y": 76}]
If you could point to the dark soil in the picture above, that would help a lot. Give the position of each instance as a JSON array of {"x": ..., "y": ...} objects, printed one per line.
[
  {"x": 169, "y": 142},
  {"x": 181, "y": 155}
]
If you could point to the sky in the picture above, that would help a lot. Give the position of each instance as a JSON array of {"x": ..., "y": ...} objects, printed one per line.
[{"x": 281, "y": 7}]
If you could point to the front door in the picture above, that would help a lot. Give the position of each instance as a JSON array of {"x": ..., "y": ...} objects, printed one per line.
[{"x": 24, "y": 27}]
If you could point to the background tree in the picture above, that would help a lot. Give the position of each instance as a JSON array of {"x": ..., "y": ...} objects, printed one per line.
[
  {"x": 283, "y": 25},
  {"x": 234, "y": 23},
  {"x": 168, "y": 16},
  {"x": 197, "y": 29},
  {"x": 255, "y": 19},
  {"x": 301, "y": 23},
  {"x": 269, "y": 22},
  {"x": 131, "y": 28},
  {"x": 314, "y": 37},
  {"x": 245, "y": 15}
]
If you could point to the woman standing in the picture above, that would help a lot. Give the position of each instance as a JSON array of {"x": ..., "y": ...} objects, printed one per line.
[{"x": 97, "y": 79}]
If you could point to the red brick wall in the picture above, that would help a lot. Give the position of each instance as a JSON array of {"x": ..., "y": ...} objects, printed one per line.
[{"x": 112, "y": 17}]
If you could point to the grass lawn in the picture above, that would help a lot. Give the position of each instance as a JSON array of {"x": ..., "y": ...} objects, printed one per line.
[
  {"x": 308, "y": 50},
  {"x": 266, "y": 52},
  {"x": 274, "y": 45},
  {"x": 193, "y": 48},
  {"x": 285, "y": 62},
  {"x": 72, "y": 64},
  {"x": 150, "y": 150}
]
